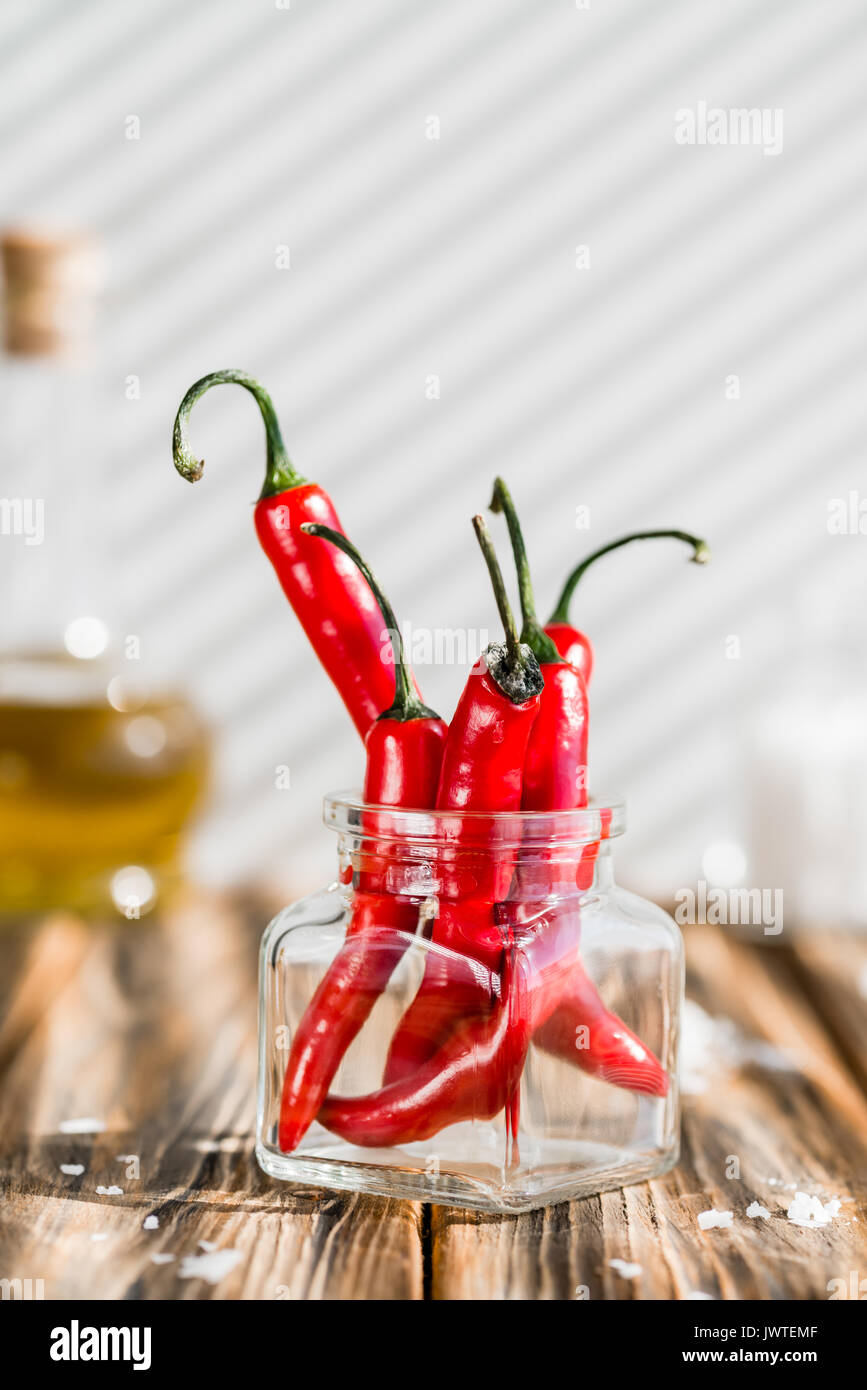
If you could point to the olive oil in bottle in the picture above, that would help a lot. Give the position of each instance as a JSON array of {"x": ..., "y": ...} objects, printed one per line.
[{"x": 100, "y": 763}]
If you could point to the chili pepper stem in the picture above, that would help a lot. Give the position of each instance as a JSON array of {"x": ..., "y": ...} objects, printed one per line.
[
  {"x": 280, "y": 475},
  {"x": 532, "y": 631},
  {"x": 406, "y": 705},
  {"x": 700, "y": 556},
  {"x": 514, "y": 667}
]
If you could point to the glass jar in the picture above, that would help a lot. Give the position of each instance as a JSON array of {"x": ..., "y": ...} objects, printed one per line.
[{"x": 494, "y": 1021}]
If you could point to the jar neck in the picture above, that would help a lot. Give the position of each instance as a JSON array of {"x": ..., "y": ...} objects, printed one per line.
[{"x": 418, "y": 869}]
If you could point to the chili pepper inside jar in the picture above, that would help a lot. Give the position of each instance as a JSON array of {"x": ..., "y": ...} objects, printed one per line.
[{"x": 542, "y": 1003}]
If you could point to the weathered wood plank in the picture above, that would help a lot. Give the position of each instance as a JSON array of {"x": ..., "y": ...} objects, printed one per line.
[
  {"x": 150, "y": 1029},
  {"x": 833, "y": 969},
  {"x": 778, "y": 1130}
]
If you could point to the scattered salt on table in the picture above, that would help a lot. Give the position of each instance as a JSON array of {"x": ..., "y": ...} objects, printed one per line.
[
  {"x": 213, "y": 1266},
  {"x": 74, "y": 1170},
  {"x": 150, "y": 1223},
  {"x": 811, "y": 1211},
  {"x": 756, "y": 1209},
  {"x": 709, "y": 1219}
]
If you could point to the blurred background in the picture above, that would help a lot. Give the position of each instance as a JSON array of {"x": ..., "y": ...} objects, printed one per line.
[{"x": 452, "y": 240}]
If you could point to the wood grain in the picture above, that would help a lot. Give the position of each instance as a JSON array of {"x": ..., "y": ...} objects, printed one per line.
[
  {"x": 154, "y": 1035},
  {"x": 150, "y": 1029}
]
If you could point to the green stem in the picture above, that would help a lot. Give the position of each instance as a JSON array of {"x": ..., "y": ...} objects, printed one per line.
[
  {"x": 280, "y": 475},
  {"x": 407, "y": 704},
  {"x": 532, "y": 631},
  {"x": 700, "y": 556},
  {"x": 513, "y": 667}
]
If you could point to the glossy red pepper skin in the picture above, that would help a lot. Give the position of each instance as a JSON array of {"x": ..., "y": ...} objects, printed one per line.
[
  {"x": 402, "y": 770},
  {"x": 555, "y": 779},
  {"x": 404, "y": 757},
  {"x": 573, "y": 646},
  {"x": 555, "y": 769},
  {"x": 330, "y": 597},
  {"x": 582, "y": 1031},
  {"x": 481, "y": 772},
  {"x": 470, "y": 1077}
]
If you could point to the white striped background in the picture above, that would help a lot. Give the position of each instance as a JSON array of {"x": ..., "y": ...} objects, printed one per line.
[{"x": 305, "y": 125}]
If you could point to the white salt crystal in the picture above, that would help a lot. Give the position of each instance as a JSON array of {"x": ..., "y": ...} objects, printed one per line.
[
  {"x": 708, "y": 1219},
  {"x": 811, "y": 1211},
  {"x": 159, "y": 1259},
  {"x": 150, "y": 1223},
  {"x": 83, "y": 1126},
  {"x": 625, "y": 1269},
  {"x": 213, "y": 1266},
  {"x": 110, "y": 1191},
  {"x": 756, "y": 1209},
  {"x": 73, "y": 1169}
]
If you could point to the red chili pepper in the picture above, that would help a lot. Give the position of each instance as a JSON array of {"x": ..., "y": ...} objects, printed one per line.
[
  {"x": 555, "y": 771},
  {"x": 582, "y": 1031},
  {"x": 330, "y": 597},
  {"x": 470, "y": 1077},
  {"x": 481, "y": 772},
  {"x": 554, "y": 779},
  {"x": 574, "y": 645},
  {"x": 404, "y": 756}
]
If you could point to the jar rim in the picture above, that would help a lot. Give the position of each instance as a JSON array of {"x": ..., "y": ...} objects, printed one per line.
[{"x": 602, "y": 819}]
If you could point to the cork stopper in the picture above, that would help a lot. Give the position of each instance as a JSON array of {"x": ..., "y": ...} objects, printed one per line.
[{"x": 49, "y": 291}]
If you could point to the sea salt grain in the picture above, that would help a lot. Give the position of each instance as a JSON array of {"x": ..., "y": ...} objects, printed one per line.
[
  {"x": 110, "y": 1191},
  {"x": 212, "y": 1267},
  {"x": 625, "y": 1269},
  {"x": 756, "y": 1209},
  {"x": 811, "y": 1211},
  {"x": 73, "y": 1169},
  {"x": 83, "y": 1126},
  {"x": 708, "y": 1219},
  {"x": 150, "y": 1223}
]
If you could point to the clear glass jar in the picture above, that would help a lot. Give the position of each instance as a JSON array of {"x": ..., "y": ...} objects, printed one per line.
[{"x": 538, "y": 1061}]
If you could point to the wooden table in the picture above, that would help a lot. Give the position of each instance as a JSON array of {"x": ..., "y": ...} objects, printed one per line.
[{"x": 150, "y": 1029}]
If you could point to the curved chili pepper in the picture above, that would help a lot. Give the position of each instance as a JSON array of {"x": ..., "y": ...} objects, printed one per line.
[
  {"x": 482, "y": 772},
  {"x": 582, "y": 1031},
  {"x": 554, "y": 779},
  {"x": 404, "y": 757},
  {"x": 330, "y": 597},
  {"x": 470, "y": 1077},
  {"x": 574, "y": 645}
]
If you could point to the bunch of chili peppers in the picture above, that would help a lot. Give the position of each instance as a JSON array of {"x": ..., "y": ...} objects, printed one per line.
[{"x": 502, "y": 966}]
